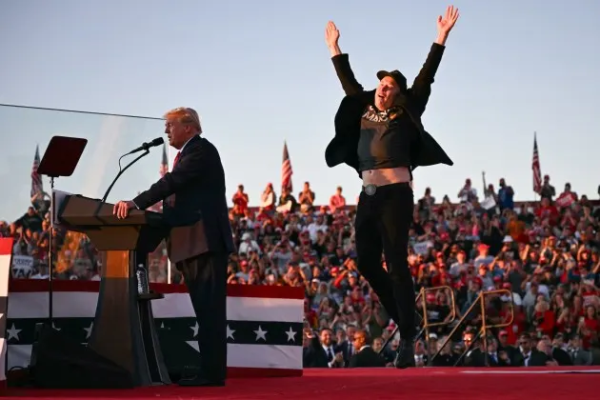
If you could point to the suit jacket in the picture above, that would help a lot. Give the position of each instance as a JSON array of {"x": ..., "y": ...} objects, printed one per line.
[
  {"x": 481, "y": 359},
  {"x": 537, "y": 359},
  {"x": 366, "y": 358},
  {"x": 561, "y": 356},
  {"x": 345, "y": 347},
  {"x": 343, "y": 148},
  {"x": 194, "y": 202},
  {"x": 445, "y": 360},
  {"x": 315, "y": 355},
  {"x": 581, "y": 357}
]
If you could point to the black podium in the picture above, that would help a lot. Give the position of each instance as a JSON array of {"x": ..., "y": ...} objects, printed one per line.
[{"x": 123, "y": 349}]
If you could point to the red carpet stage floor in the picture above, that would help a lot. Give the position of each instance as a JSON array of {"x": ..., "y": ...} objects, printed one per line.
[{"x": 344, "y": 384}]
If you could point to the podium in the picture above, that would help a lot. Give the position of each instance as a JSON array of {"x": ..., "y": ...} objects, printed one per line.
[{"x": 123, "y": 349}]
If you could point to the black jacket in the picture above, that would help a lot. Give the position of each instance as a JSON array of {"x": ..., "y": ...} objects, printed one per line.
[
  {"x": 197, "y": 183},
  {"x": 343, "y": 148},
  {"x": 366, "y": 358}
]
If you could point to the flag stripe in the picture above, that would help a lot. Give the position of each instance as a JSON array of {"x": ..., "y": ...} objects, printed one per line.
[
  {"x": 36, "y": 180},
  {"x": 261, "y": 309},
  {"x": 263, "y": 291},
  {"x": 22, "y": 330},
  {"x": 6, "y": 245},
  {"x": 286, "y": 170},
  {"x": 238, "y": 355},
  {"x": 279, "y": 357},
  {"x": 174, "y": 305}
]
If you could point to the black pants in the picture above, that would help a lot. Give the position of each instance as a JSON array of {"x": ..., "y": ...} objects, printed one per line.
[
  {"x": 382, "y": 224},
  {"x": 206, "y": 279}
]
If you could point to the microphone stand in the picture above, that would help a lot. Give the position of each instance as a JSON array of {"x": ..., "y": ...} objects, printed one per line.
[{"x": 121, "y": 171}]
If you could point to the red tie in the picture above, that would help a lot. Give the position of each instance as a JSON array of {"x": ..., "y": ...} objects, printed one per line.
[{"x": 176, "y": 159}]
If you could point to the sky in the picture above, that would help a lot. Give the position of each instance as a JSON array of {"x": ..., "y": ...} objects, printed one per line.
[{"x": 259, "y": 73}]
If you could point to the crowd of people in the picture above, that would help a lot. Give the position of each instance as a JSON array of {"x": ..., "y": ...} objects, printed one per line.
[{"x": 538, "y": 262}]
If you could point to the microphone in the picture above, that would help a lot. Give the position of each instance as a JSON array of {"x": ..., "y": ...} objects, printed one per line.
[{"x": 145, "y": 146}]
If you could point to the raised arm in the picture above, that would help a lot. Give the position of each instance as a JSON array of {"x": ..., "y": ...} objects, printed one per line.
[
  {"x": 421, "y": 88},
  {"x": 340, "y": 61}
]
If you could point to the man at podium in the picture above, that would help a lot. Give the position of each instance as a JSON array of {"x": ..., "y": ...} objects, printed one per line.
[{"x": 194, "y": 203}]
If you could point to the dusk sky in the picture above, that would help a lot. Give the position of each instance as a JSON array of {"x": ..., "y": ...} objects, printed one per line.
[{"x": 259, "y": 73}]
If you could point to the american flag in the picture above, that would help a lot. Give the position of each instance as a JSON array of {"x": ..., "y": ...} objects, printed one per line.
[
  {"x": 37, "y": 186},
  {"x": 164, "y": 165},
  {"x": 163, "y": 170},
  {"x": 535, "y": 166},
  {"x": 286, "y": 169}
]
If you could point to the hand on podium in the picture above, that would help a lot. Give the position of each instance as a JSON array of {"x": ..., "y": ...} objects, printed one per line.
[{"x": 121, "y": 209}]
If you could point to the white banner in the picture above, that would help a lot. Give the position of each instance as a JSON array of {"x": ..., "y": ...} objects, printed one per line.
[
  {"x": 22, "y": 266},
  {"x": 422, "y": 247}
]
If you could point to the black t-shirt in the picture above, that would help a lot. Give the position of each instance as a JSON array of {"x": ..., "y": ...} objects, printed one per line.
[{"x": 385, "y": 141}]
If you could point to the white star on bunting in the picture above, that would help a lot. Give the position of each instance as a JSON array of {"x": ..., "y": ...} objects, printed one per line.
[
  {"x": 13, "y": 332},
  {"x": 195, "y": 329},
  {"x": 291, "y": 335},
  {"x": 230, "y": 333},
  {"x": 260, "y": 334},
  {"x": 88, "y": 330}
]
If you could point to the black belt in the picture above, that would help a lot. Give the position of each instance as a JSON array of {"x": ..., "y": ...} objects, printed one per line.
[{"x": 371, "y": 189}]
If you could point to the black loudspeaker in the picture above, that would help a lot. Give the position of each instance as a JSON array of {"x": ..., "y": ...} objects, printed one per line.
[{"x": 59, "y": 362}]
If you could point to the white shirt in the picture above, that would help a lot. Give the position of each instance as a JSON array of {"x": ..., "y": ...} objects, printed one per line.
[
  {"x": 327, "y": 351},
  {"x": 526, "y": 357}
]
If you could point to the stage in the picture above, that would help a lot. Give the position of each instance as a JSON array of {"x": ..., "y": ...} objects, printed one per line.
[{"x": 418, "y": 383}]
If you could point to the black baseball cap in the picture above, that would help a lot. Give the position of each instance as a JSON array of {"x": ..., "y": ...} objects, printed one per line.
[{"x": 396, "y": 76}]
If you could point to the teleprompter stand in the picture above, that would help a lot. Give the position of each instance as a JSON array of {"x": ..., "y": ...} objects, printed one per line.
[
  {"x": 60, "y": 159},
  {"x": 123, "y": 349}
]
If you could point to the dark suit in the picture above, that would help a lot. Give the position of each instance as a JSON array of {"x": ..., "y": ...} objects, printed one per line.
[
  {"x": 477, "y": 358},
  {"x": 346, "y": 349},
  {"x": 343, "y": 147},
  {"x": 366, "y": 358},
  {"x": 315, "y": 355},
  {"x": 581, "y": 357},
  {"x": 199, "y": 243},
  {"x": 536, "y": 359},
  {"x": 561, "y": 356}
]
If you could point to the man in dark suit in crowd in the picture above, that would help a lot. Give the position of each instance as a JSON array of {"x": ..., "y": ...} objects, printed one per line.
[
  {"x": 322, "y": 351},
  {"x": 194, "y": 204},
  {"x": 528, "y": 355},
  {"x": 493, "y": 357},
  {"x": 364, "y": 356}
]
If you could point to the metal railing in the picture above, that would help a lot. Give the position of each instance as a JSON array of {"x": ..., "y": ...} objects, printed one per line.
[
  {"x": 426, "y": 325},
  {"x": 479, "y": 300}
]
